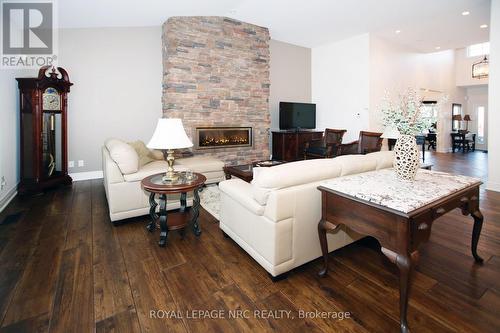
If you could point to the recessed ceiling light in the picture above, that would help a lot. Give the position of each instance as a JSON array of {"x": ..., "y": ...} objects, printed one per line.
[
  {"x": 397, "y": 31},
  {"x": 465, "y": 13},
  {"x": 438, "y": 47},
  {"x": 483, "y": 26}
]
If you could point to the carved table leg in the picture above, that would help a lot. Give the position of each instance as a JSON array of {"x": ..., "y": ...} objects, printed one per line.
[
  {"x": 476, "y": 232},
  {"x": 406, "y": 265},
  {"x": 196, "y": 212},
  {"x": 183, "y": 202},
  {"x": 152, "y": 213},
  {"x": 323, "y": 227},
  {"x": 163, "y": 220}
]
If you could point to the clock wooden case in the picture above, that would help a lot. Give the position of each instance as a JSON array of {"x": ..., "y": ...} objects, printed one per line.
[{"x": 44, "y": 106}]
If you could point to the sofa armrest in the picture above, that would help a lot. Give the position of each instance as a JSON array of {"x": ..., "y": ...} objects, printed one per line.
[
  {"x": 111, "y": 171},
  {"x": 241, "y": 192}
]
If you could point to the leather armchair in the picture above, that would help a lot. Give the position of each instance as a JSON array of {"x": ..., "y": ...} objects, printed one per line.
[
  {"x": 368, "y": 142},
  {"x": 325, "y": 147}
]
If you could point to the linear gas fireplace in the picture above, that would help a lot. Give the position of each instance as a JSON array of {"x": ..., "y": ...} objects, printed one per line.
[{"x": 223, "y": 137}]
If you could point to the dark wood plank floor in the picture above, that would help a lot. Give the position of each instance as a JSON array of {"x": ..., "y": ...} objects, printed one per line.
[{"x": 65, "y": 268}]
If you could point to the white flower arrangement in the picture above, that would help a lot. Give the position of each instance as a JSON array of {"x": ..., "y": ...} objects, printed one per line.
[{"x": 406, "y": 114}]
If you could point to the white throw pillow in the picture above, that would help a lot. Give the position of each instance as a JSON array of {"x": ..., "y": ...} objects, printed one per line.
[{"x": 124, "y": 155}]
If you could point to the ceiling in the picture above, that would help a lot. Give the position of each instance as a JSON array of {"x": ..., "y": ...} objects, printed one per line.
[{"x": 424, "y": 24}]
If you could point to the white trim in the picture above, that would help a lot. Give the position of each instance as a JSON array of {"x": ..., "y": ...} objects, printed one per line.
[
  {"x": 491, "y": 186},
  {"x": 77, "y": 176},
  {"x": 7, "y": 198}
]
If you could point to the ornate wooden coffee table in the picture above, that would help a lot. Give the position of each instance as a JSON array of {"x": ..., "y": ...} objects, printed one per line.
[
  {"x": 179, "y": 219},
  {"x": 245, "y": 171},
  {"x": 398, "y": 214}
]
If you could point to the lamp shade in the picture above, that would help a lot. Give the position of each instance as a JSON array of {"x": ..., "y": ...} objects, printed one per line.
[
  {"x": 169, "y": 134},
  {"x": 467, "y": 117},
  {"x": 390, "y": 132},
  {"x": 457, "y": 117}
]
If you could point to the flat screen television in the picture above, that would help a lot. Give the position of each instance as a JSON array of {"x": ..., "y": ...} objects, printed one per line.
[{"x": 297, "y": 115}]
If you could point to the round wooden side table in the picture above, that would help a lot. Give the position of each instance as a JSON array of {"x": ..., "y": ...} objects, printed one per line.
[{"x": 155, "y": 185}]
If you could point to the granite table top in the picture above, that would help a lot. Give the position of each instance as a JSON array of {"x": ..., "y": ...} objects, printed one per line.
[{"x": 382, "y": 187}]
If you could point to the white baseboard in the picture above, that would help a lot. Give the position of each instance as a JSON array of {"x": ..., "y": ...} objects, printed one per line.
[
  {"x": 491, "y": 186},
  {"x": 7, "y": 198},
  {"x": 77, "y": 176}
]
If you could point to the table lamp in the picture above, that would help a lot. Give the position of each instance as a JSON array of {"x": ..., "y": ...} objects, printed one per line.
[
  {"x": 457, "y": 117},
  {"x": 391, "y": 133},
  {"x": 169, "y": 135},
  {"x": 467, "y": 119}
]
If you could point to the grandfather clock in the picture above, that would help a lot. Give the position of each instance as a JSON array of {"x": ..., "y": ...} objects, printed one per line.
[{"x": 44, "y": 154}]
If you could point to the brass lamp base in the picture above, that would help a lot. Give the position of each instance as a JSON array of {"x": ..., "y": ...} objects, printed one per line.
[{"x": 171, "y": 175}]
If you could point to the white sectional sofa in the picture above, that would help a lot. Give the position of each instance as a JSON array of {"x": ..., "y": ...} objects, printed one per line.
[
  {"x": 125, "y": 196},
  {"x": 275, "y": 217}
]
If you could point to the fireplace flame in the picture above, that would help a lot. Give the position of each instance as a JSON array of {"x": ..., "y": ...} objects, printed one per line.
[
  {"x": 223, "y": 141},
  {"x": 224, "y": 137}
]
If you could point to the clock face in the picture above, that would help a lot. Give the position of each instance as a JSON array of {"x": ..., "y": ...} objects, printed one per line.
[{"x": 51, "y": 99}]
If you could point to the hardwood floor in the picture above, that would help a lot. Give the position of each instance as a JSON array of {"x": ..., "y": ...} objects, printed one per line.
[{"x": 65, "y": 268}]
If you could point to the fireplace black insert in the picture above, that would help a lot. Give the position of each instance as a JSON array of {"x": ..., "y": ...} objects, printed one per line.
[{"x": 223, "y": 137}]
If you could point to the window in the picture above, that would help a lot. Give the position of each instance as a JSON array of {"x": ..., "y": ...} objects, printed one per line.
[
  {"x": 456, "y": 110},
  {"x": 477, "y": 50},
  {"x": 480, "y": 124}
]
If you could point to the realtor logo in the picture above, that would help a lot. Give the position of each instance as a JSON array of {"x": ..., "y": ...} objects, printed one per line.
[{"x": 27, "y": 33}]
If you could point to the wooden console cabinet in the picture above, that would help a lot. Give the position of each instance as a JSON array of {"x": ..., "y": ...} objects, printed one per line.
[{"x": 289, "y": 145}]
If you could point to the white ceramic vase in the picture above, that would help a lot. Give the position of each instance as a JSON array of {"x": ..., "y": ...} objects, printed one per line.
[{"x": 406, "y": 159}]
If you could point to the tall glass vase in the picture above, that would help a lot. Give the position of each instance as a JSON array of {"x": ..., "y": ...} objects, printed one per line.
[{"x": 406, "y": 159}]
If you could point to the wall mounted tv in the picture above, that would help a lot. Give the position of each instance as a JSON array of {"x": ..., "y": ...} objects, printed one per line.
[{"x": 297, "y": 115}]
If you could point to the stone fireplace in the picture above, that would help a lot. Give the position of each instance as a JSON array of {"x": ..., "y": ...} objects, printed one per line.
[
  {"x": 216, "y": 75},
  {"x": 222, "y": 137}
]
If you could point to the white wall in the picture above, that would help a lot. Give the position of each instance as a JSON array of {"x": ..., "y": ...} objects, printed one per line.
[
  {"x": 290, "y": 76},
  {"x": 9, "y": 128},
  {"x": 340, "y": 85},
  {"x": 463, "y": 69},
  {"x": 353, "y": 76},
  {"x": 393, "y": 69},
  {"x": 494, "y": 100},
  {"x": 117, "y": 76},
  {"x": 477, "y": 96},
  {"x": 436, "y": 72}
]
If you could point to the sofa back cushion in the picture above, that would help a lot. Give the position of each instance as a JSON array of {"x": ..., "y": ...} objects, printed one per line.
[
  {"x": 124, "y": 155},
  {"x": 352, "y": 164},
  {"x": 291, "y": 174},
  {"x": 266, "y": 180},
  {"x": 145, "y": 155}
]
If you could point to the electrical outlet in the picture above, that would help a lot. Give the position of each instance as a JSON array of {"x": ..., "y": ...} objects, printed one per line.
[
  {"x": 3, "y": 183},
  {"x": 71, "y": 164},
  {"x": 81, "y": 163}
]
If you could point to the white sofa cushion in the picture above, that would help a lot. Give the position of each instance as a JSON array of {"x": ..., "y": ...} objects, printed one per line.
[
  {"x": 150, "y": 169},
  {"x": 385, "y": 159},
  {"x": 124, "y": 155},
  {"x": 239, "y": 190},
  {"x": 200, "y": 164},
  {"x": 291, "y": 174},
  {"x": 266, "y": 180},
  {"x": 352, "y": 164},
  {"x": 297, "y": 173}
]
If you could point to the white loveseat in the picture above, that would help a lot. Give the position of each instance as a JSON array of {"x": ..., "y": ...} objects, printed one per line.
[
  {"x": 275, "y": 217},
  {"x": 125, "y": 196}
]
